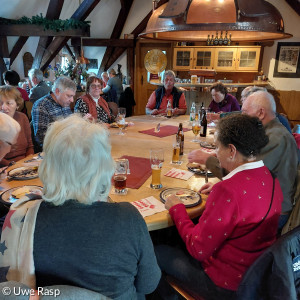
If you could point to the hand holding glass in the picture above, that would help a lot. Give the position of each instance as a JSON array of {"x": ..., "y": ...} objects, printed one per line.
[{"x": 156, "y": 160}]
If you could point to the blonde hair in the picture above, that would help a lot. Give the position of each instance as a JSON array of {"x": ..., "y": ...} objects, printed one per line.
[
  {"x": 11, "y": 92},
  {"x": 77, "y": 163}
]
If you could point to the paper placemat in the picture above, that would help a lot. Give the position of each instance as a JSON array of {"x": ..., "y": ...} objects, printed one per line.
[
  {"x": 179, "y": 174},
  {"x": 148, "y": 206},
  {"x": 164, "y": 131}
]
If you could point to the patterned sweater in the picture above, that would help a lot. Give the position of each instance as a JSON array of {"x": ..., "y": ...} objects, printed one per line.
[{"x": 233, "y": 207}]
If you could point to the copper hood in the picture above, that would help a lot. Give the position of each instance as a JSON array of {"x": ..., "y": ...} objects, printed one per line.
[{"x": 194, "y": 20}]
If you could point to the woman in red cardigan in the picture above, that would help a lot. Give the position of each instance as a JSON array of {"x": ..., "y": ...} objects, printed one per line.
[
  {"x": 239, "y": 222},
  {"x": 92, "y": 105},
  {"x": 10, "y": 101}
]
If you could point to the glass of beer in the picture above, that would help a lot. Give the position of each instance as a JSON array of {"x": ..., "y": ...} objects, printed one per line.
[
  {"x": 176, "y": 151},
  {"x": 196, "y": 126},
  {"x": 156, "y": 160},
  {"x": 120, "y": 176},
  {"x": 121, "y": 119}
]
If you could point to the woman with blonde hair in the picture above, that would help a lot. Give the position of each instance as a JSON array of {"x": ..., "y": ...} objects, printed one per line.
[
  {"x": 10, "y": 101},
  {"x": 78, "y": 238}
]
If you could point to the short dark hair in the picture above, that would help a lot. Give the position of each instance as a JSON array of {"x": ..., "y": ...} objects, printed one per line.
[
  {"x": 90, "y": 80},
  {"x": 12, "y": 77},
  {"x": 246, "y": 133},
  {"x": 219, "y": 87}
]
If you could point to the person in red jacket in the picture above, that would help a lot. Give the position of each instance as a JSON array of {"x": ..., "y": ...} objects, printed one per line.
[{"x": 240, "y": 219}]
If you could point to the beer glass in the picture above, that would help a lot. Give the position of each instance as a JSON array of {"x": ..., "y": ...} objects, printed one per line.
[
  {"x": 121, "y": 119},
  {"x": 176, "y": 152},
  {"x": 196, "y": 129},
  {"x": 156, "y": 160},
  {"x": 120, "y": 176}
]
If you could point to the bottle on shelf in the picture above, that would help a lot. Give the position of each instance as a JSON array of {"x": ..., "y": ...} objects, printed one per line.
[
  {"x": 169, "y": 109},
  {"x": 192, "y": 112},
  {"x": 216, "y": 40},
  {"x": 180, "y": 138},
  {"x": 229, "y": 40},
  {"x": 225, "y": 40},
  {"x": 221, "y": 39},
  {"x": 212, "y": 40},
  {"x": 203, "y": 125},
  {"x": 208, "y": 40}
]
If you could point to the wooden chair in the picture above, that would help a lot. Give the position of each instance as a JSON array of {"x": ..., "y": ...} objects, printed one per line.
[
  {"x": 175, "y": 284},
  {"x": 28, "y": 105},
  {"x": 114, "y": 108}
]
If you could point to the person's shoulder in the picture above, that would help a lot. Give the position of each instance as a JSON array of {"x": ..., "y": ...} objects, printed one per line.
[{"x": 20, "y": 117}]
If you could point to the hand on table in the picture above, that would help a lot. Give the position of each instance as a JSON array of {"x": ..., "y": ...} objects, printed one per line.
[
  {"x": 155, "y": 112},
  {"x": 171, "y": 201},
  {"x": 206, "y": 188},
  {"x": 199, "y": 156}
]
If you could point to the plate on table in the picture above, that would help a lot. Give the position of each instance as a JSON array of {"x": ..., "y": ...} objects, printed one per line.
[
  {"x": 23, "y": 173},
  {"x": 208, "y": 145},
  {"x": 198, "y": 169},
  {"x": 115, "y": 125},
  {"x": 188, "y": 197},
  {"x": 13, "y": 194}
]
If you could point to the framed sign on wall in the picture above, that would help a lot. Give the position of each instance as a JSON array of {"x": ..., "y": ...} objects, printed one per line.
[{"x": 287, "y": 64}]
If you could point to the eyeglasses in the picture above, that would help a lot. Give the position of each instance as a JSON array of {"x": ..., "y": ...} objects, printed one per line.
[{"x": 96, "y": 86}]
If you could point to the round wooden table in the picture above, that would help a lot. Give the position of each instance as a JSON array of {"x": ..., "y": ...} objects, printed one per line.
[{"x": 138, "y": 144}]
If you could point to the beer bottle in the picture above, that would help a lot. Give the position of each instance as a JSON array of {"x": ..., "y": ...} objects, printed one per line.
[
  {"x": 212, "y": 40},
  {"x": 201, "y": 111},
  {"x": 180, "y": 138},
  {"x": 229, "y": 41},
  {"x": 169, "y": 109},
  {"x": 225, "y": 41},
  {"x": 208, "y": 40},
  {"x": 216, "y": 41},
  {"x": 203, "y": 125},
  {"x": 192, "y": 112}
]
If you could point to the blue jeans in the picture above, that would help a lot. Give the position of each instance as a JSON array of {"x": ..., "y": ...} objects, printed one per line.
[{"x": 189, "y": 272}]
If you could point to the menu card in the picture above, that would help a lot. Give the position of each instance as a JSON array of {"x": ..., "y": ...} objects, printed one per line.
[
  {"x": 148, "y": 206},
  {"x": 179, "y": 174}
]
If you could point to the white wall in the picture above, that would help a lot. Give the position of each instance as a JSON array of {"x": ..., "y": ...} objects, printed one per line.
[{"x": 291, "y": 25}]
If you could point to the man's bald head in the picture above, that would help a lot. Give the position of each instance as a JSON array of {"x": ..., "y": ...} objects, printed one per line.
[{"x": 260, "y": 104}]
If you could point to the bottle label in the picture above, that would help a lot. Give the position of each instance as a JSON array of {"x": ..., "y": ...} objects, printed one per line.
[{"x": 192, "y": 116}]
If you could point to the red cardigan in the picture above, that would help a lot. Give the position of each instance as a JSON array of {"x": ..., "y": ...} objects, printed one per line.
[{"x": 232, "y": 208}]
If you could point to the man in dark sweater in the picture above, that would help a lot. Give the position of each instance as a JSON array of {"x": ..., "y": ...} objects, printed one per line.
[{"x": 158, "y": 100}]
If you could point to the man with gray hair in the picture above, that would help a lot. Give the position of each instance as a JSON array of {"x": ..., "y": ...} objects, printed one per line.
[
  {"x": 52, "y": 107},
  {"x": 39, "y": 86},
  {"x": 280, "y": 155},
  {"x": 114, "y": 87},
  {"x": 158, "y": 100}
]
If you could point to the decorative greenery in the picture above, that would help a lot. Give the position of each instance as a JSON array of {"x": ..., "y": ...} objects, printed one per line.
[{"x": 56, "y": 25}]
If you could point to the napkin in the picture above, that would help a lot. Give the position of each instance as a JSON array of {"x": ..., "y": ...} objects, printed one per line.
[
  {"x": 148, "y": 206},
  {"x": 179, "y": 174},
  {"x": 164, "y": 131},
  {"x": 140, "y": 170}
]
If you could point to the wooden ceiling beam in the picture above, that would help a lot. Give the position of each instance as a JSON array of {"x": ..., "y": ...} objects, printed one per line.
[
  {"x": 58, "y": 43},
  {"x": 17, "y": 48},
  {"x": 139, "y": 28},
  {"x": 91, "y": 42},
  {"x": 123, "y": 14},
  {"x": 3, "y": 53},
  {"x": 53, "y": 12}
]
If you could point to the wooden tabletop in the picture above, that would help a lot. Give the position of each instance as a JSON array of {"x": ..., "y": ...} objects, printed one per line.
[{"x": 138, "y": 144}]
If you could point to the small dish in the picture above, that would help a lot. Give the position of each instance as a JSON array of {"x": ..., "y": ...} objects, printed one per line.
[
  {"x": 208, "y": 145},
  {"x": 198, "y": 169},
  {"x": 188, "y": 197},
  {"x": 13, "y": 194},
  {"x": 23, "y": 173}
]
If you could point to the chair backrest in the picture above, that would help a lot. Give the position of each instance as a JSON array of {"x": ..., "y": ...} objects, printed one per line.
[
  {"x": 276, "y": 273},
  {"x": 114, "y": 108},
  {"x": 28, "y": 105}
]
